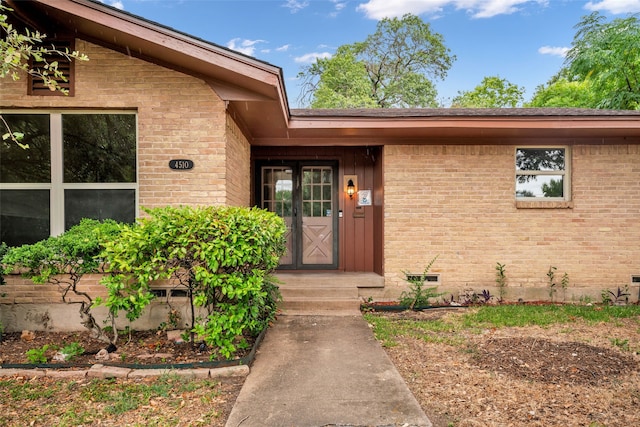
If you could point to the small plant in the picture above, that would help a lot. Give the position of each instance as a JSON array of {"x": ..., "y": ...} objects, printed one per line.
[
  {"x": 72, "y": 350},
  {"x": 469, "y": 297},
  {"x": 501, "y": 280},
  {"x": 38, "y": 355},
  {"x": 619, "y": 297},
  {"x": 552, "y": 284},
  {"x": 418, "y": 295},
  {"x": 564, "y": 284}
]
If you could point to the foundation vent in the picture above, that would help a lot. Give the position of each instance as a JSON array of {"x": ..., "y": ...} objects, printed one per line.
[
  {"x": 159, "y": 293},
  {"x": 429, "y": 278},
  {"x": 179, "y": 293}
]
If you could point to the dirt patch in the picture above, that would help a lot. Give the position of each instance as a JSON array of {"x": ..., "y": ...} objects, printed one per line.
[
  {"x": 135, "y": 348},
  {"x": 575, "y": 374}
]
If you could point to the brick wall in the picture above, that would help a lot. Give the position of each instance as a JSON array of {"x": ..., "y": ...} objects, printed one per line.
[
  {"x": 179, "y": 117},
  {"x": 457, "y": 202},
  {"x": 238, "y": 177}
]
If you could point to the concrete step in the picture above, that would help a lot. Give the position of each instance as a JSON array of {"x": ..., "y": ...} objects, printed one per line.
[
  {"x": 323, "y": 292},
  {"x": 319, "y": 305}
]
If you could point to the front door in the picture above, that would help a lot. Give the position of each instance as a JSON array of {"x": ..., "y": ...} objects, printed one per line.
[{"x": 304, "y": 195}]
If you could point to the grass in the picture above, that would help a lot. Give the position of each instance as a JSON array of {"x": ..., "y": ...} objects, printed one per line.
[
  {"x": 75, "y": 403},
  {"x": 448, "y": 329}
]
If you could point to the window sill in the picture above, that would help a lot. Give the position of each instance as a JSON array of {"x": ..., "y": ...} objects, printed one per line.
[{"x": 544, "y": 205}]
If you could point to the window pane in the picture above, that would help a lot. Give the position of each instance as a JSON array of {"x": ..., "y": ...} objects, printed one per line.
[
  {"x": 539, "y": 186},
  {"x": 24, "y": 216},
  {"x": 99, "y": 147},
  {"x": 26, "y": 165},
  {"x": 536, "y": 159},
  {"x": 99, "y": 204}
]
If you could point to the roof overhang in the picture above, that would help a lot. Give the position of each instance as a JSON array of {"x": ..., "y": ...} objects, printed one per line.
[
  {"x": 255, "y": 94},
  {"x": 457, "y": 126},
  {"x": 253, "y": 89}
]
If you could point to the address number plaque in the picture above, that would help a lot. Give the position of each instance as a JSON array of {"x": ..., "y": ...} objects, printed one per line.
[{"x": 181, "y": 164}]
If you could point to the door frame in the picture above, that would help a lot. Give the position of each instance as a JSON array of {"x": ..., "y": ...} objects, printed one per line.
[{"x": 296, "y": 226}]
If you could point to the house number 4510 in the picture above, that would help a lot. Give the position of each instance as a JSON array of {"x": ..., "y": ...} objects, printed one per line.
[{"x": 181, "y": 164}]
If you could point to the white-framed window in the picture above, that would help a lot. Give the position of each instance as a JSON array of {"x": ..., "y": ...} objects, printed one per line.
[
  {"x": 80, "y": 164},
  {"x": 542, "y": 173}
]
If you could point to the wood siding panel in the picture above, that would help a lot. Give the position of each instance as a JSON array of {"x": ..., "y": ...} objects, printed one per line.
[{"x": 360, "y": 243}]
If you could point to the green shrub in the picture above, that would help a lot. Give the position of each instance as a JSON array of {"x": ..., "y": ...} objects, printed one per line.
[
  {"x": 63, "y": 260},
  {"x": 222, "y": 256}
]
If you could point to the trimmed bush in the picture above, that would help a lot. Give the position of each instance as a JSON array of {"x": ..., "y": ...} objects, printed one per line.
[{"x": 222, "y": 256}]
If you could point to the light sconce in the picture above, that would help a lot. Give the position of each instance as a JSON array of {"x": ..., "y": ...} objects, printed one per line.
[
  {"x": 351, "y": 189},
  {"x": 350, "y": 185}
]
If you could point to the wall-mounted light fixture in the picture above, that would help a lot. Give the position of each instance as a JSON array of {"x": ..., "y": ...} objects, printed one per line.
[
  {"x": 350, "y": 185},
  {"x": 351, "y": 189}
]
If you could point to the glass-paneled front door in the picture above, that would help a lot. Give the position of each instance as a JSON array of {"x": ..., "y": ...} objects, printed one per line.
[{"x": 304, "y": 195}]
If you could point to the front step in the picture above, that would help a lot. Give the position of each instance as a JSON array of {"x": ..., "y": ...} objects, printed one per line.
[{"x": 324, "y": 292}]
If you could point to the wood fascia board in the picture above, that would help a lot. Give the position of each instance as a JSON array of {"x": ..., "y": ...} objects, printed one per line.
[
  {"x": 480, "y": 123},
  {"x": 375, "y": 140}
]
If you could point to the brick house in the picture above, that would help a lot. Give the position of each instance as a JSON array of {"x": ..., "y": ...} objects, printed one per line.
[{"x": 527, "y": 188}]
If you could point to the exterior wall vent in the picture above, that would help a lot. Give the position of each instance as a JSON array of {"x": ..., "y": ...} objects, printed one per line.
[
  {"x": 65, "y": 65},
  {"x": 635, "y": 279},
  {"x": 159, "y": 293},
  {"x": 429, "y": 278},
  {"x": 179, "y": 293}
]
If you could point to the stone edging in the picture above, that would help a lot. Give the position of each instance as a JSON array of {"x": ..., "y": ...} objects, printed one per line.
[{"x": 105, "y": 372}]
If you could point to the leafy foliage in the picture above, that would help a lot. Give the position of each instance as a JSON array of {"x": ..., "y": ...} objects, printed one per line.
[
  {"x": 394, "y": 67},
  {"x": 38, "y": 355},
  {"x": 492, "y": 92},
  {"x": 418, "y": 295},
  {"x": 18, "y": 49},
  {"x": 601, "y": 70},
  {"x": 63, "y": 260},
  {"x": 221, "y": 255}
]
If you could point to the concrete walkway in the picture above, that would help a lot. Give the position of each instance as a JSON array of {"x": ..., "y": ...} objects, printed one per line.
[{"x": 315, "y": 370}]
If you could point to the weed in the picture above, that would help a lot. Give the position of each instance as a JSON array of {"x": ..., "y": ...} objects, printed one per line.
[
  {"x": 418, "y": 295},
  {"x": 38, "y": 355},
  {"x": 501, "y": 280},
  {"x": 72, "y": 350},
  {"x": 552, "y": 285}
]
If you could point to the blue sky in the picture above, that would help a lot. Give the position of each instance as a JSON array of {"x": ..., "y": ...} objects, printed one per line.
[{"x": 522, "y": 41}]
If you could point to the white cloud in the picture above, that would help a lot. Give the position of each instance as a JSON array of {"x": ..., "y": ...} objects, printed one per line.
[
  {"x": 378, "y": 9},
  {"x": 553, "y": 50},
  {"x": 283, "y": 48},
  {"x": 296, "y": 5},
  {"x": 114, "y": 3},
  {"x": 338, "y": 5},
  {"x": 309, "y": 58},
  {"x": 246, "y": 46},
  {"x": 614, "y": 6}
]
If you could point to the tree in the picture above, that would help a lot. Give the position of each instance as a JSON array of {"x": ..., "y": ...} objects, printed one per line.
[
  {"x": 394, "y": 67},
  {"x": 602, "y": 68},
  {"x": 492, "y": 92},
  {"x": 18, "y": 50},
  {"x": 564, "y": 93}
]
